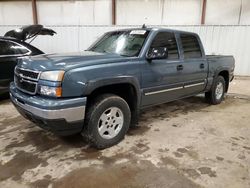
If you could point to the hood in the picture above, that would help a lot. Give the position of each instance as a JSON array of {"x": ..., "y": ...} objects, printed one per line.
[
  {"x": 28, "y": 32},
  {"x": 68, "y": 61}
]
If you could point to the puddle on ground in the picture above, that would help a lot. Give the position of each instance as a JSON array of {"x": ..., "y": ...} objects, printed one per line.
[
  {"x": 208, "y": 171},
  {"x": 192, "y": 173},
  {"x": 22, "y": 124},
  {"x": 219, "y": 158},
  {"x": 169, "y": 161},
  {"x": 132, "y": 174},
  {"x": 21, "y": 162},
  {"x": 180, "y": 152}
]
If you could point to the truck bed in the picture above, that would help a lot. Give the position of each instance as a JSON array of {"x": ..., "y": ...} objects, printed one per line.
[
  {"x": 218, "y": 62},
  {"x": 222, "y": 60}
]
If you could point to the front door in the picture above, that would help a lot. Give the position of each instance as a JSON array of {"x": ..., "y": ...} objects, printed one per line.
[{"x": 160, "y": 78}]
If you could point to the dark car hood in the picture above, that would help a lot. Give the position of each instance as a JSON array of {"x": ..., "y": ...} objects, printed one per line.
[
  {"x": 28, "y": 32},
  {"x": 68, "y": 61}
]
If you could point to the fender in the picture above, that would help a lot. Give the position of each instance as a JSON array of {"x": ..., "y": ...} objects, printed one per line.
[
  {"x": 102, "y": 82},
  {"x": 220, "y": 69},
  {"x": 211, "y": 77}
]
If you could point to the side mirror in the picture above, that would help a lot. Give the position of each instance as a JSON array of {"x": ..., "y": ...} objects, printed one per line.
[{"x": 157, "y": 53}]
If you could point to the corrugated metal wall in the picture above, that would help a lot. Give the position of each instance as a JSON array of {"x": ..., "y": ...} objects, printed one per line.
[
  {"x": 224, "y": 40},
  {"x": 12, "y": 13},
  {"x": 132, "y": 12},
  {"x": 74, "y": 12},
  {"x": 159, "y": 12},
  {"x": 182, "y": 12}
]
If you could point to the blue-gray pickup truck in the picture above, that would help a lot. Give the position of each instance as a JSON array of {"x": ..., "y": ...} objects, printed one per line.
[{"x": 100, "y": 92}]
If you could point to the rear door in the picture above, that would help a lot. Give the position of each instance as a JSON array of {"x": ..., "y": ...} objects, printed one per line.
[
  {"x": 161, "y": 81},
  {"x": 195, "y": 66}
]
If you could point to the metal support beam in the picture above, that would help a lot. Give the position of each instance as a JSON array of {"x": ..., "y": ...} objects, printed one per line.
[
  {"x": 34, "y": 12},
  {"x": 113, "y": 12},
  {"x": 203, "y": 15}
]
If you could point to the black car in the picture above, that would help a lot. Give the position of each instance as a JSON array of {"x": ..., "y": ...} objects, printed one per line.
[{"x": 13, "y": 46}]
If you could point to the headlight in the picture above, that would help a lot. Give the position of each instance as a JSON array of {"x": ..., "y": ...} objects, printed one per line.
[
  {"x": 50, "y": 91},
  {"x": 52, "y": 76}
]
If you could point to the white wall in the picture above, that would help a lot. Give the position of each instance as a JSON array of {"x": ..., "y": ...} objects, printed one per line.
[
  {"x": 182, "y": 12},
  {"x": 136, "y": 12},
  {"x": 129, "y": 12},
  {"x": 224, "y": 12},
  {"x": 245, "y": 15},
  {"x": 74, "y": 12},
  {"x": 12, "y": 13},
  {"x": 228, "y": 12}
]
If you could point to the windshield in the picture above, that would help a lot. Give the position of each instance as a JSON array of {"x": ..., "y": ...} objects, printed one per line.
[{"x": 125, "y": 43}]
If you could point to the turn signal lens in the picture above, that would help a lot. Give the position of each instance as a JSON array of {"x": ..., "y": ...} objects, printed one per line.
[
  {"x": 58, "y": 92},
  {"x": 51, "y": 91}
]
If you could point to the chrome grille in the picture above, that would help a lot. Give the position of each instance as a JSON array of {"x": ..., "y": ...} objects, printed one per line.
[
  {"x": 28, "y": 74},
  {"x": 26, "y": 80}
]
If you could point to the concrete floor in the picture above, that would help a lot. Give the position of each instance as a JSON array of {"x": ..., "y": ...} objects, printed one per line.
[{"x": 186, "y": 143}]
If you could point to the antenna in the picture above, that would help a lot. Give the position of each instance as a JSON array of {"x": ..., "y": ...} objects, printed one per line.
[{"x": 143, "y": 26}]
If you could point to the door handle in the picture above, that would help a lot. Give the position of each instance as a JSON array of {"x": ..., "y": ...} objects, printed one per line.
[
  {"x": 179, "y": 67},
  {"x": 202, "y": 66}
]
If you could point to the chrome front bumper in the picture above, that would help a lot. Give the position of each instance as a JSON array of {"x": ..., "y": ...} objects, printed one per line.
[
  {"x": 69, "y": 114},
  {"x": 71, "y": 110}
]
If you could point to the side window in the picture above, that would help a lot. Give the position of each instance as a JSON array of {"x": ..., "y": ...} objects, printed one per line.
[
  {"x": 5, "y": 48},
  {"x": 18, "y": 49},
  {"x": 9, "y": 48},
  {"x": 191, "y": 47},
  {"x": 166, "y": 39}
]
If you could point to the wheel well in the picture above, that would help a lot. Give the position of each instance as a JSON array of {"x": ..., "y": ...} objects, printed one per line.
[
  {"x": 225, "y": 75},
  {"x": 125, "y": 91}
]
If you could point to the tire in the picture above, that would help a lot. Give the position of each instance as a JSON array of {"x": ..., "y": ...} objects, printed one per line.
[
  {"x": 217, "y": 92},
  {"x": 100, "y": 129}
]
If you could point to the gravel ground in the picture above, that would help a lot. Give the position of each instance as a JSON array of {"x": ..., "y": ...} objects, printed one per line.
[{"x": 186, "y": 143}]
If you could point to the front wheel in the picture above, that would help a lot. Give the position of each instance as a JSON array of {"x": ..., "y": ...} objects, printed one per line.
[
  {"x": 217, "y": 92},
  {"x": 107, "y": 121}
]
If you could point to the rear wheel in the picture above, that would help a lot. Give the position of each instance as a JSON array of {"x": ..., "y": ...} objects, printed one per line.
[
  {"x": 107, "y": 121},
  {"x": 217, "y": 92}
]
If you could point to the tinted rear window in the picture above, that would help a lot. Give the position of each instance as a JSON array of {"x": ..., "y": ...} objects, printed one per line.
[{"x": 191, "y": 47}]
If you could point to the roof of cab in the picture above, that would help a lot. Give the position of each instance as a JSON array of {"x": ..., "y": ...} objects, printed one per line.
[{"x": 157, "y": 29}]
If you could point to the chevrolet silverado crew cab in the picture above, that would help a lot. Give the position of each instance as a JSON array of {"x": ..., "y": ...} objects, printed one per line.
[{"x": 99, "y": 92}]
